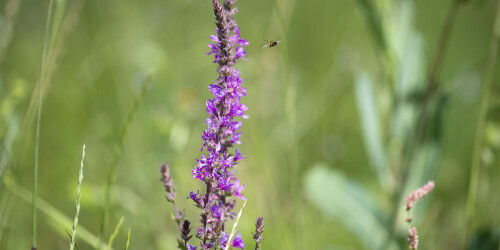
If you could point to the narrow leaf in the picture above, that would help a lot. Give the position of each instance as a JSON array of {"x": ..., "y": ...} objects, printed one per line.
[
  {"x": 348, "y": 202},
  {"x": 368, "y": 112},
  {"x": 115, "y": 233}
]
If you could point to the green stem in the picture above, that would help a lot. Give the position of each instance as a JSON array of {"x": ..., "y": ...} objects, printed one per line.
[
  {"x": 437, "y": 61},
  {"x": 78, "y": 199},
  {"x": 39, "y": 115},
  {"x": 117, "y": 153},
  {"x": 35, "y": 170},
  {"x": 481, "y": 124}
]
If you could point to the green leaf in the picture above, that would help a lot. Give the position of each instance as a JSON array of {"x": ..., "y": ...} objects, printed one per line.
[
  {"x": 367, "y": 106},
  {"x": 180, "y": 244},
  {"x": 348, "y": 202}
]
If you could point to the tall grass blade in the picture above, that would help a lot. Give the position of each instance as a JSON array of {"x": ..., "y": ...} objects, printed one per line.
[
  {"x": 117, "y": 153},
  {"x": 38, "y": 119},
  {"x": 481, "y": 124},
  {"x": 234, "y": 226},
  {"x": 78, "y": 198},
  {"x": 128, "y": 239},
  {"x": 115, "y": 233}
]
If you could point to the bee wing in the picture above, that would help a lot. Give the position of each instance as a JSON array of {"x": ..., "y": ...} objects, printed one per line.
[
  {"x": 279, "y": 41},
  {"x": 265, "y": 45}
]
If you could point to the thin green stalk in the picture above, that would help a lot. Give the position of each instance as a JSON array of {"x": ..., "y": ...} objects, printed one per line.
[
  {"x": 69, "y": 235},
  {"x": 481, "y": 124},
  {"x": 35, "y": 171},
  {"x": 117, "y": 153},
  {"x": 39, "y": 115},
  {"x": 234, "y": 226},
  {"x": 435, "y": 70},
  {"x": 115, "y": 233},
  {"x": 128, "y": 239},
  {"x": 437, "y": 61},
  {"x": 78, "y": 198}
]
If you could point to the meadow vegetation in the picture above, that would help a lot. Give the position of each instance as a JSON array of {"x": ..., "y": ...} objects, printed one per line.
[{"x": 350, "y": 116}]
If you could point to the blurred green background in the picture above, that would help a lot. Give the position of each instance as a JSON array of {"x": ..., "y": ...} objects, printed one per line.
[{"x": 332, "y": 145}]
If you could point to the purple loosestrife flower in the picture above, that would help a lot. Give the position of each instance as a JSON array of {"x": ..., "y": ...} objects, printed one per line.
[
  {"x": 236, "y": 242},
  {"x": 216, "y": 167}
]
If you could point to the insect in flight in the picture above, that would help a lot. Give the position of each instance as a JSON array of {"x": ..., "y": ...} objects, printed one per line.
[{"x": 271, "y": 44}]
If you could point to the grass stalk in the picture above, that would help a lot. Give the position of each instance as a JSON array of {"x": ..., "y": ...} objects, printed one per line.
[
  {"x": 38, "y": 120},
  {"x": 35, "y": 172},
  {"x": 481, "y": 125},
  {"x": 128, "y": 239},
  {"x": 115, "y": 233},
  {"x": 437, "y": 61},
  {"x": 117, "y": 153},
  {"x": 234, "y": 226},
  {"x": 78, "y": 198},
  {"x": 69, "y": 235}
]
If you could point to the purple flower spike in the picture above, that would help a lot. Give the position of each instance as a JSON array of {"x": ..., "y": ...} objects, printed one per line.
[{"x": 216, "y": 167}]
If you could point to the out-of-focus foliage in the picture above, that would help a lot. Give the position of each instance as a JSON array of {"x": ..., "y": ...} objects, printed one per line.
[{"x": 330, "y": 145}]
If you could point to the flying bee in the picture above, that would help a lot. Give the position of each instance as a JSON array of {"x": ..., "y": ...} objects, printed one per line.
[{"x": 271, "y": 44}]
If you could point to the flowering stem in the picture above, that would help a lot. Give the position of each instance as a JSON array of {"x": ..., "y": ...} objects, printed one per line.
[
  {"x": 481, "y": 124},
  {"x": 259, "y": 229},
  {"x": 177, "y": 215},
  {"x": 216, "y": 167},
  {"x": 410, "y": 201}
]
